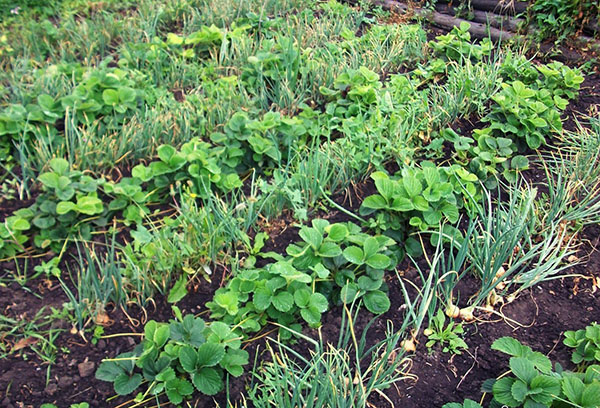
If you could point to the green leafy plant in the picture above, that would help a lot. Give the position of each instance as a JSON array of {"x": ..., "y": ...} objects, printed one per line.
[
  {"x": 264, "y": 142},
  {"x": 525, "y": 115},
  {"x": 177, "y": 357},
  {"x": 457, "y": 44},
  {"x": 448, "y": 336},
  {"x": 533, "y": 383},
  {"x": 332, "y": 263},
  {"x": 419, "y": 198},
  {"x": 102, "y": 99},
  {"x": 354, "y": 90},
  {"x": 528, "y": 388},
  {"x": 13, "y": 233},
  {"x": 561, "y": 19},
  {"x": 196, "y": 161},
  {"x": 492, "y": 154},
  {"x": 69, "y": 198},
  {"x": 560, "y": 80},
  {"x": 49, "y": 268},
  {"x": 586, "y": 343}
]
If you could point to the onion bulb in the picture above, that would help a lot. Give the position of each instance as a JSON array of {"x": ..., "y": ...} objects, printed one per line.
[
  {"x": 466, "y": 313},
  {"x": 408, "y": 345},
  {"x": 452, "y": 311}
]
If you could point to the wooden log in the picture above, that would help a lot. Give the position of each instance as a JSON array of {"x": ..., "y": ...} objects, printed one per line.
[
  {"x": 447, "y": 22},
  {"x": 510, "y": 7},
  {"x": 477, "y": 30},
  {"x": 504, "y": 22}
]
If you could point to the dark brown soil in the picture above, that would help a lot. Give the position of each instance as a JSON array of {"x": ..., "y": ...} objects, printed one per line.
[
  {"x": 538, "y": 318},
  {"x": 586, "y": 105}
]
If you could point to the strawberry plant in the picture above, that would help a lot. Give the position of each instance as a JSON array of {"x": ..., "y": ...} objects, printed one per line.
[
  {"x": 586, "y": 343},
  {"x": 129, "y": 197},
  {"x": 528, "y": 388},
  {"x": 354, "y": 89},
  {"x": 533, "y": 383},
  {"x": 332, "y": 263},
  {"x": 13, "y": 232},
  {"x": 196, "y": 162},
  {"x": 68, "y": 198},
  {"x": 23, "y": 122},
  {"x": 492, "y": 155},
  {"x": 518, "y": 67},
  {"x": 102, "y": 98},
  {"x": 561, "y": 19},
  {"x": 177, "y": 358},
  {"x": 560, "y": 80},
  {"x": 419, "y": 198},
  {"x": 206, "y": 40},
  {"x": 264, "y": 142},
  {"x": 106, "y": 93},
  {"x": 525, "y": 115},
  {"x": 457, "y": 44},
  {"x": 355, "y": 261}
]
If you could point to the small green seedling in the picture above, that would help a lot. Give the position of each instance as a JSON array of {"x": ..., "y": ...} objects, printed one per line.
[
  {"x": 586, "y": 343},
  {"x": 448, "y": 336}
]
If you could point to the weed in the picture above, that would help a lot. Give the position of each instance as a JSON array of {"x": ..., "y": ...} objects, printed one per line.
[{"x": 448, "y": 336}]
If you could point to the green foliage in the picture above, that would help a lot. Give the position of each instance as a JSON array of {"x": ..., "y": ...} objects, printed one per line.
[
  {"x": 529, "y": 388},
  {"x": 560, "y": 19},
  {"x": 526, "y": 112},
  {"x": 197, "y": 163},
  {"x": 264, "y": 143},
  {"x": 299, "y": 96},
  {"x": 526, "y": 115},
  {"x": 332, "y": 263},
  {"x": 448, "y": 336},
  {"x": 164, "y": 257},
  {"x": 419, "y": 198},
  {"x": 533, "y": 383},
  {"x": 354, "y": 90},
  {"x": 488, "y": 155},
  {"x": 586, "y": 343},
  {"x": 13, "y": 233},
  {"x": 68, "y": 206},
  {"x": 177, "y": 357},
  {"x": 457, "y": 45},
  {"x": 292, "y": 379},
  {"x": 49, "y": 268},
  {"x": 73, "y": 203},
  {"x": 207, "y": 39},
  {"x": 560, "y": 80},
  {"x": 102, "y": 99}
]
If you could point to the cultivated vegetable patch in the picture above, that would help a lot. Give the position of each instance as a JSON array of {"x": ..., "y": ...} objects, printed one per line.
[{"x": 294, "y": 203}]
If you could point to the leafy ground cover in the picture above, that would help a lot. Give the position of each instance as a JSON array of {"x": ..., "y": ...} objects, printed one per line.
[{"x": 291, "y": 203}]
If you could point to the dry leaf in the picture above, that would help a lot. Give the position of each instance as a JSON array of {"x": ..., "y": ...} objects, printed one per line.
[{"x": 26, "y": 342}]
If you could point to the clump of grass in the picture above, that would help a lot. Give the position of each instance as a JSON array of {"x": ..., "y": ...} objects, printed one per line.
[
  {"x": 573, "y": 174},
  {"x": 340, "y": 375}
]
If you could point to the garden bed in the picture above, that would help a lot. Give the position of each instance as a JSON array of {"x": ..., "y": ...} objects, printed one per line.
[{"x": 273, "y": 168}]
